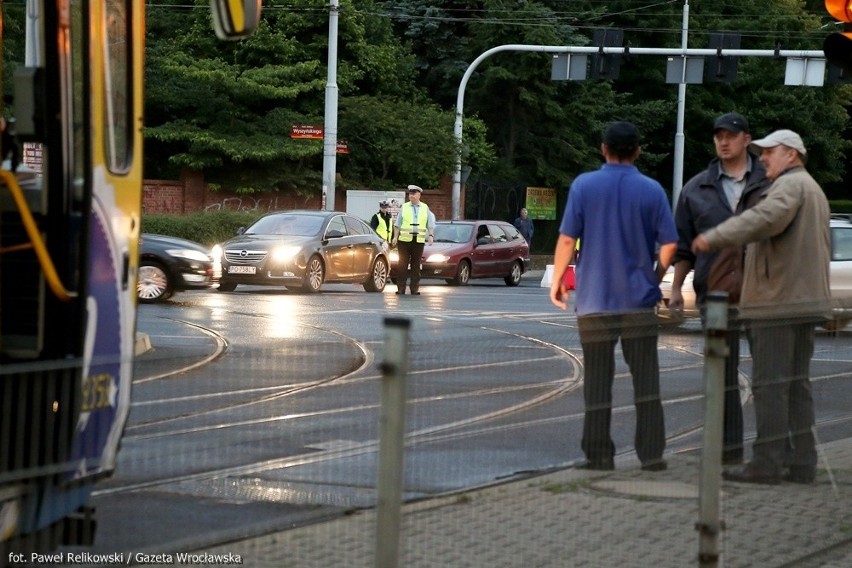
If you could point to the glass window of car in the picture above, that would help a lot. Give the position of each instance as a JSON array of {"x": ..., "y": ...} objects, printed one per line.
[
  {"x": 841, "y": 243},
  {"x": 452, "y": 233},
  {"x": 356, "y": 226},
  {"x": 336, "y": 228},
  {"x": 286, "y": 224},
  {"x": 498, "y": 234},
  {"x": 512, "y": 232},
  {"x": 483, "y": 237}
]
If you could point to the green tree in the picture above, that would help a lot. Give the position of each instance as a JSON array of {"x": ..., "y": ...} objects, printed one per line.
[
  {"x": 228, "y": 109},
  {"x": 546, "y": 132}
]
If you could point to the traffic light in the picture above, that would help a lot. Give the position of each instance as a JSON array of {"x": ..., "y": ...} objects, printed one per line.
[
  {"x": 838, "y": 46},
  {"x": 606, "y": 65},
  {"x": 718, "y": 67}
]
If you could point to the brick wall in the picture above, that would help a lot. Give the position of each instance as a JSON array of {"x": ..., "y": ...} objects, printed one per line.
[{"x": 190, "y": 195}]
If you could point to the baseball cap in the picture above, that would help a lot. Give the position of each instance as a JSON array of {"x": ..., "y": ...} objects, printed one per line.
[
  {"x": 384, "y": 204},
  {"x": 733, "y": 122},
  {"x": 415, "y": 189},
  {"x": 782, "y": 137},
  {"x": 622, "y": 135}
]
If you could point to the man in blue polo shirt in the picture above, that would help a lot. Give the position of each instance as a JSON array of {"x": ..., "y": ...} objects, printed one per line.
[{"x": 622, "y": 217}]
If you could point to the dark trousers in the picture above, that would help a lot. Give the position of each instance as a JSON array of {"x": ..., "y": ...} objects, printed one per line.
[
  {"x": 638, "y": 333},
  {"x": 410, "y": 253},
  {"x": 733, "y": 414},
  {"x": 783, "y": 404}
]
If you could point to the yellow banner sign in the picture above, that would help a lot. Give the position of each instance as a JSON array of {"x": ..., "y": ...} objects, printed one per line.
[{"x": 541, "y": 202}]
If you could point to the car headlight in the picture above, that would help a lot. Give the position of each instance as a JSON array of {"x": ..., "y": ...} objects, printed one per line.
[
  {"x": 216, "y": 252},
  {"x": 284, "y": 254},
  {"x": 437, "y": 258},
  {"x": 189, "y": 254},
  {"x": 394, "y": 255}
]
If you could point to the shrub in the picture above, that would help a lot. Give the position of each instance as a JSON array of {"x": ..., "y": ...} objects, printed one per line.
[
  {"x": 841, "y": 206},
  {"x": 205, "y": 228}
]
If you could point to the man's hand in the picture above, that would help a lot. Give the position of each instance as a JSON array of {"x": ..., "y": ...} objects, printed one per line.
[
  {"x": 676, "y": 300},
  {"x": 700, "y": 244},
  {"x": 559, "y": 294}
]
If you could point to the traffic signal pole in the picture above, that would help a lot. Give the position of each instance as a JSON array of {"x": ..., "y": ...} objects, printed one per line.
[
  {"x": 680, "y": 138},
  {"x": 684, "y": 52}
]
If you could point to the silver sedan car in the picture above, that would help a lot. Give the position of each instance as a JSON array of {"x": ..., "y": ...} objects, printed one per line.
[{"x": 840, "y": 271}]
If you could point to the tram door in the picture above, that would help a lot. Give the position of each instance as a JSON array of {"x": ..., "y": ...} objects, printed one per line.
[{"x": 69, "y": 231}]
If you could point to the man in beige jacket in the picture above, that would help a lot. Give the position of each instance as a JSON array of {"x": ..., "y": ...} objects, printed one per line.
[{"x": 790, "y": 224}]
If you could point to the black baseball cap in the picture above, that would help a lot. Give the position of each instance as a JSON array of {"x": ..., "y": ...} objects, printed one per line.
[
  {"x": 621, "y": 135},
  {"x": 732, "y": 122},
  {"x": 384, "y": 204}
]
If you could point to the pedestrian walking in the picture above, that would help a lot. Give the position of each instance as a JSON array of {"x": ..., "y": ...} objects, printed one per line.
[
  {"x": 622, "y": 217},
  {"x": 732, "y": 182},
  {"x": 780, "y": 307}
]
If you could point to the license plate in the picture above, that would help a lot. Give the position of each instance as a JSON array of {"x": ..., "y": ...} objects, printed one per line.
[{"x": 242, "y": 269}]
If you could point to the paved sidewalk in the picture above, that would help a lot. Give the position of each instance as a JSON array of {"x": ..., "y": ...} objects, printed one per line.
[{"x": 597, "y": 519}]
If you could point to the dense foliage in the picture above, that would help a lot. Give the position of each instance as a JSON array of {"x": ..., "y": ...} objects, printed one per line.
[
  {"x": 227, "y": 108},
  {"x": 207, "y": 228}
]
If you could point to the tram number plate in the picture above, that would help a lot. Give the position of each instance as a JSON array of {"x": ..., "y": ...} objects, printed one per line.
[{"x": 242, "y": 269}]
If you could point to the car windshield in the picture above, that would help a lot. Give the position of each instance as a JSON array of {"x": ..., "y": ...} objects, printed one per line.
[
  {"x": 287, "y": 225},
  {"x": 452, "y": 233}
]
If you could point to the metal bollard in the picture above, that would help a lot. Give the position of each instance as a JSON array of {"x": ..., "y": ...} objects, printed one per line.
[
  {"x": 715, "y": 353},
  {"x": 391, "y": 442}
]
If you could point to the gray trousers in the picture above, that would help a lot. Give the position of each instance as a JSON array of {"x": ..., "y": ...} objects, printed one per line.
[
  {"x": 638, "y": 332},
  {"x": 783, "y": 404}
]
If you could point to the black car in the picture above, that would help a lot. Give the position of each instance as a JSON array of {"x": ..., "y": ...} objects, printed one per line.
[
  {"x": 303, "y": 250},
  {"x": 169, "y": 264}
]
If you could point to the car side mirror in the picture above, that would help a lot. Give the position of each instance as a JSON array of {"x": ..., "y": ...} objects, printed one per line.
[{"x": 241, "y": 230}]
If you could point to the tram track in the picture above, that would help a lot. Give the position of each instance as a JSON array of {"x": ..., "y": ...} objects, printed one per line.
[{"x": 545, "y": 391}]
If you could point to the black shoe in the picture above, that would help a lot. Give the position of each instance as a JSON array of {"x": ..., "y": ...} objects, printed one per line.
[
  {"x": 656, "y": 465},
  {"x": 400, "y": 292},
  {"x": 598, "y": 465},
  {"x": 750, "y": 474},
  {"x": 800, "y": 474},
  {"x": 732, "y": 457},
  {"x": 415, "y": 293}
]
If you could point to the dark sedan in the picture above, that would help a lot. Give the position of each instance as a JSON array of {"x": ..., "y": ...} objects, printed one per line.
[
  {"x": 464, "y": 250},
  {"x": 304, "y": 250},
  {"x": 169, "y": 264}
]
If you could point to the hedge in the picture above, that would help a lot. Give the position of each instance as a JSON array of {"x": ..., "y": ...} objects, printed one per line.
[{"x": 207, "y": 228}]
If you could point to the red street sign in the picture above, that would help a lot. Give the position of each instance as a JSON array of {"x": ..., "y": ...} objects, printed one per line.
[
  {"x": 342, "y": 147},
  {"x": 306, "y": 132}
]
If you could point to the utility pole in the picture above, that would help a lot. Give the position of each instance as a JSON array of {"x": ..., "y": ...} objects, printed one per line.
[
  {"x": 329, "y": 145},
  {"x": 797, "y": 67},
  {"x": 679, "y": 143}
]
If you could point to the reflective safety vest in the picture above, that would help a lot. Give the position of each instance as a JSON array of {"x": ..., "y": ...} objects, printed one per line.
[
  {"x": 410, "y": 228},
  {"x": 383, "y": 229}
]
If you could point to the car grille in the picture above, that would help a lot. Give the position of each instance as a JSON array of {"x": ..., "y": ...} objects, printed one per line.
[{"x": 245, "y": 256}]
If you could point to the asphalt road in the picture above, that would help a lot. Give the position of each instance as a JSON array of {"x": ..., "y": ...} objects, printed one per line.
[{"x": 273, "y": 418}]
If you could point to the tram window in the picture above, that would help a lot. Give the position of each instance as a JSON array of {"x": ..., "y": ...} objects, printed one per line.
[{"x": 118, "y": 97}]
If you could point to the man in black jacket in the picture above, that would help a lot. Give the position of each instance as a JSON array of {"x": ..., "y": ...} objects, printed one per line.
[{"x": 734, "y": 181}]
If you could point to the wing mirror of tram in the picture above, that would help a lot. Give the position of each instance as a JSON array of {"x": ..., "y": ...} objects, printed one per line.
[{"x": 235, "y": 19}]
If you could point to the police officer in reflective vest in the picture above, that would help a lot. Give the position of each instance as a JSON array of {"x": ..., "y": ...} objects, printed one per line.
[
  {"x": 382, "y": 221},
  {"x": 415, "y": 224}
]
